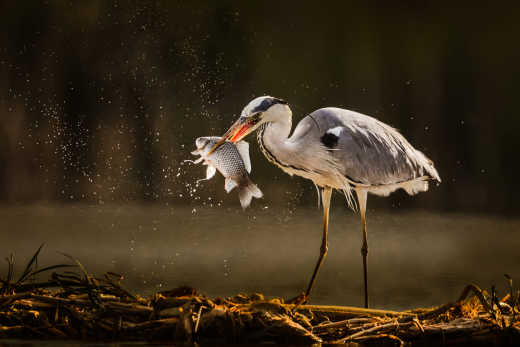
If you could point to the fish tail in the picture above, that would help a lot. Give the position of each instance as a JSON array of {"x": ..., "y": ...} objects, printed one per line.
[{"x": 247, "y": 192}]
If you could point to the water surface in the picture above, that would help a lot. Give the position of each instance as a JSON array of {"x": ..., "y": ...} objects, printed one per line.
[{"x": 415, "y": 259}]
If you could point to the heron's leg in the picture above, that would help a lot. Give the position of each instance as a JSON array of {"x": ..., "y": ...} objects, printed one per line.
[
  {"x": 325, "y": 200},
  {"x": 362, "y": 199}
]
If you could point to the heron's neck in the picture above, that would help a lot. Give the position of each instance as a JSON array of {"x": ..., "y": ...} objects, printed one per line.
[{"x": 272, "y": 138}]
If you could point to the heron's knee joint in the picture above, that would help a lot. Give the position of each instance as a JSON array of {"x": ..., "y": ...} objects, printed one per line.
[
  {"x": 364, "y": 250},
  {"x": 324, "y": 249}
]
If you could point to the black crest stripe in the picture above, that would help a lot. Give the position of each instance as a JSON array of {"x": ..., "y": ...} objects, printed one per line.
[{"x": 267, "y": 103}]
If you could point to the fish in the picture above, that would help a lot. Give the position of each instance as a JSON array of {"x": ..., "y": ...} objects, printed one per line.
[{"x": 233, "y": 162}]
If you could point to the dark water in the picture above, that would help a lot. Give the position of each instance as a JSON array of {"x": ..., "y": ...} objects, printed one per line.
[{"x": 416, "y": 258}]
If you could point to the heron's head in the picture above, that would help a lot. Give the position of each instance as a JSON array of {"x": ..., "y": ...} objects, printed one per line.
[{"x": 261, "y": 110}]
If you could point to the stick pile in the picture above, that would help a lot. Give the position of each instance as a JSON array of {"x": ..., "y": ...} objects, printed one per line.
[{"x": 74, "y": 305}]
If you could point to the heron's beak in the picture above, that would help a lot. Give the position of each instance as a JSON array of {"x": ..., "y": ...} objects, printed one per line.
[{"x": 240, "y": 129}]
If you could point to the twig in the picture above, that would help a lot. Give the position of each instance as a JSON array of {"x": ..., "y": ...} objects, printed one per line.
[
  {"x": 350, "y": 311},
  {"x": 381, "y": 336},
  {"x": 378, "y": 328},
  {"x": 198, "y": 319},
  {"x": 346, "y": 323}
]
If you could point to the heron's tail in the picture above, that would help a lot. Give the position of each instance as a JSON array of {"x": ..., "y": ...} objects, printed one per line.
[
  {"x": 247, "y": 191},
  {"x": 427, "y": 165}
]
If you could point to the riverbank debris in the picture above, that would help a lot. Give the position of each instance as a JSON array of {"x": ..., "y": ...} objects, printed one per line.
[{"x": 77, "y": 305}]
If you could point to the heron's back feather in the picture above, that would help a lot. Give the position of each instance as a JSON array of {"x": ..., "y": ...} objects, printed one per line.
[{"x": 367, "y": 151}]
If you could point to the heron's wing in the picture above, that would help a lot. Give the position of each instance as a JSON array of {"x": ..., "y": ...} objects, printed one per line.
[
  {"x": 367, "y": 150},
  {"x": 243, "y": 150}
]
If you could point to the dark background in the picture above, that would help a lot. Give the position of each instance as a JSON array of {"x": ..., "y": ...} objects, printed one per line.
[{"x": 100, "y": 101}]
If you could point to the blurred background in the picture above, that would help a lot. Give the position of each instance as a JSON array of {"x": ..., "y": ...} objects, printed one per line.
[{"x": 100, "y": 102}]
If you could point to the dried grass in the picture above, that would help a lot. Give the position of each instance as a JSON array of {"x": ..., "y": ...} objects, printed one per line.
[{"x": 77, "y": 305}]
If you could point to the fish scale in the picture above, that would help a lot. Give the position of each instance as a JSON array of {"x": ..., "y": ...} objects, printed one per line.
[
  {"x": 233, "y": 162},
  {"x": 227, "y": 158}
]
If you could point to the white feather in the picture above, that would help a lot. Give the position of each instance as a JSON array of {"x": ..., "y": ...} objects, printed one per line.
[
  {"x": 412, "y": 187},
  {"x": 335, "y": 131}
]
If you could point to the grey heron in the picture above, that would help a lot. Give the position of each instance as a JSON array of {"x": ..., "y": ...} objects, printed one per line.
[{"x": 336, "y": 149}]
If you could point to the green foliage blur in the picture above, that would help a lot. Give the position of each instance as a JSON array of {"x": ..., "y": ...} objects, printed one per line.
[{"x": 100, "y": 101}]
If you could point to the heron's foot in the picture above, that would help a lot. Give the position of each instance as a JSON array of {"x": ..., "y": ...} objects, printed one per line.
[{"x": 298, "y": 300}]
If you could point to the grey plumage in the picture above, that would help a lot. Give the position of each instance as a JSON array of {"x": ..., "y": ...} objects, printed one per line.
[
  {"x": 368, "y": 151},
  {"x": 336, "y": 149}
]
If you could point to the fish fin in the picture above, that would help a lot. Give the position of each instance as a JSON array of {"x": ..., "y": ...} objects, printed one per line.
[
  {"x": 247, "y": 193},
  {"x": 193, "y": 161},
  {"x": 255, "y": 191},
  {"x": 229, "y": 185},
  {"x": 245, "y": 197},
  {"x": 243, "y": 150},
  {"x": 210, "y": 172}
]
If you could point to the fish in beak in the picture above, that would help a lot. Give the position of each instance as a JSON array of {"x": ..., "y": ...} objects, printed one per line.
[{"x": 240, "y": 129}]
